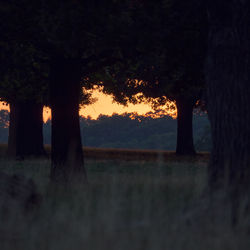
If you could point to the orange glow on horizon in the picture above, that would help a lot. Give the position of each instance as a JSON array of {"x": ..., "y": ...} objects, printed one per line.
[
  {"x": 46, "y": 111},
  {"x": 46, "y": 114},
  {"x": 105, "y": 106}
]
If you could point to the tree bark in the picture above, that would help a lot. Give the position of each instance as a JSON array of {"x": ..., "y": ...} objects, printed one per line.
[
  {"x": 228, "y": 91},
  {"x": 67, "y": 154},
  {"x": 26, "y": 130},
  {"x": 185, "y": 144}
]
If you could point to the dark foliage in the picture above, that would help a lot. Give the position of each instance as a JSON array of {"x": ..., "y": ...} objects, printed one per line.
[
  {"x": 4, "y": 120},
  {"x": 120, "y": 131}
]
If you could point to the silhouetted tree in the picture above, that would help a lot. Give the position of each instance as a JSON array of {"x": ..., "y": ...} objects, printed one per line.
[
  {"x": 87, "y": 40},
  {"x": 77, "y": 37},
  {"x": 23, "y": 85},
  {"x": 228, "y": 91},
  {"x": 168, "y": 64}
]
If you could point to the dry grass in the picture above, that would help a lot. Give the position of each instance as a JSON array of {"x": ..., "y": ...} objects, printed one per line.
[
  {"x": 130, "y": 154},
  {"x": 139, "y": 154},
  {"x": 137, "y": 205},
  {"x": 146, "y": 155}
]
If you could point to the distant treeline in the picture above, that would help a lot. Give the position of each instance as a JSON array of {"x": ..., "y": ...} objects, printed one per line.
[
  {"x": 4, "y": 123},
  {"x": 120, "y": 131}
]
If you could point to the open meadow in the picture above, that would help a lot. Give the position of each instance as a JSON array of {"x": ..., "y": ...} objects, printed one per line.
[{"x": 135, "y": 204}]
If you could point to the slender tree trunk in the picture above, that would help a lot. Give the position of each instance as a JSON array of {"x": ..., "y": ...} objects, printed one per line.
[
  {"x": 67, "y": 153},
  {"x": 26, "y": 130},
  {"x": 228, "y": 91},
  {"x": 185, "y": 144}
]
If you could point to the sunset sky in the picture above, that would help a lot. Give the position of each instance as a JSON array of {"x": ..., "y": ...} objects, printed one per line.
[{"x": 105, "y": 106}]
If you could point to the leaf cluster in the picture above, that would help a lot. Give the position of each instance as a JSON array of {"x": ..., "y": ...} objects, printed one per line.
[{"x": 169, "y": 49}]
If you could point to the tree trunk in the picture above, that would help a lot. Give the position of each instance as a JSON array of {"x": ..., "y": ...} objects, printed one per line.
[
  {"x": 185, "y": 144},
  {"x": 67, "y": 153},
  {"x": 26, "y": 130},
  {"x": 228, "y": 91}
]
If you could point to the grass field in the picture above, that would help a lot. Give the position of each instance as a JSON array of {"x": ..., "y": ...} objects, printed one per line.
[{"x": 137, "y": 204}]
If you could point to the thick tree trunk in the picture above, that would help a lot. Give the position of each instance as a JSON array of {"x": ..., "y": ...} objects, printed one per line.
[
  {"x": 185, "y": 144},
  {"x": 26, "y": 130},
  {"x": 228, "y": 91},
  {"x": 67, "y": 153}
]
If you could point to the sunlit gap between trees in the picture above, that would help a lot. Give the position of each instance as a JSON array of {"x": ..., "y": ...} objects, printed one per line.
[{"x": 104, "y": 105}]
